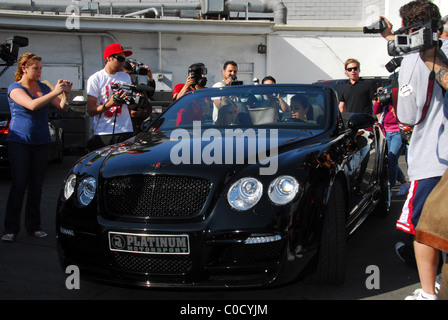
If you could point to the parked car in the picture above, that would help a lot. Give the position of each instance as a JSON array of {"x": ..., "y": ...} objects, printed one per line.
[
  {"x": 54, "y": 125},
  {"x": 263, "y": 199}
]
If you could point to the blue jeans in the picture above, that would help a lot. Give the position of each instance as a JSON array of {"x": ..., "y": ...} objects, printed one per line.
[
  {"x": 395, "y": 149},
  {"x": 28, "y": 165}
]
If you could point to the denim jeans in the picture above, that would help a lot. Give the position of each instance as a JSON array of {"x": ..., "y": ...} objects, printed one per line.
[
  {"x": 395, "y": 149},
  {"x": 28, "y": 165}
]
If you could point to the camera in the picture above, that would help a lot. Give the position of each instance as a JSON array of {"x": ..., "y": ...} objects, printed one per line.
[
  {"x": 197, "y": 72},
  {"x": 424, "y": 37},
  {"x": 9, "y": 51},
  {"x": 393, "y": 64},
  {"x": 138, "y": 68},
  {"x": 133, "y": 101},
  {"x": 235, "y": 81},
  {"x": 384, "y": 95},
  {"x": 376, "y": 27}
]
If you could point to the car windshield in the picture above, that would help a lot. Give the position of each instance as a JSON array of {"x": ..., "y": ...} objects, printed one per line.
[{"x": 273, "y": 106}]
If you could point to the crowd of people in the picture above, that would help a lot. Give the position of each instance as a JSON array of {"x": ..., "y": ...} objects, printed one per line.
[{"x": 115, "y": 121}]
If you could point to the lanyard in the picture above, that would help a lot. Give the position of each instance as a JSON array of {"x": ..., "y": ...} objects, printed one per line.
[{"x": 429, "y": 93}]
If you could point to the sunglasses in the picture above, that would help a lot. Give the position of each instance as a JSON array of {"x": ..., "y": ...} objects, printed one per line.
[
  {"x": 351, "y": 69},
  {"x": 119, "y": 58}
]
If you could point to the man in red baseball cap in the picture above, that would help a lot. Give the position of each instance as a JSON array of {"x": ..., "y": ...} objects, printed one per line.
[
  {"x": 115, "y": 49},
  {"x": 111, "y": 119}
]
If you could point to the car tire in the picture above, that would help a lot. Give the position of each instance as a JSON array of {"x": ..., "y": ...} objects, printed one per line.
[
  {"x": 60, "y": 151},
  {"x": 331, "y": 265},
  {"x": 383, "y": 206}
]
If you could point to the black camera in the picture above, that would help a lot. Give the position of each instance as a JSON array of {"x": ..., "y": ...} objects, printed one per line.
[
  {"x": 235, "y": 81},
  {"x": 138, "y": 68},
  {"x": 9, "y": 51},
  {"x": 424, "y": 36},
  {"x": 197, "y": 72},
  {"x": 393, "y": 64},
  {"x": 384, "y": 95},
  {"x": 376, "y": 27},
  {"x": 133, "y": 101}
]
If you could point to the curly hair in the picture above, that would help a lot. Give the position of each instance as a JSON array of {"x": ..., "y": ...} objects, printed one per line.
[{"x": 419, "y": 11}]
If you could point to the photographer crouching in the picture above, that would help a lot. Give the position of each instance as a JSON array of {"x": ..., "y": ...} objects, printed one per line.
[{"x": 420, "y": 104}]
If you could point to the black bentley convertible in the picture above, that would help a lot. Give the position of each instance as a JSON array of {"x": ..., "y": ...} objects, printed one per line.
[{"x": 229, "y": 187}]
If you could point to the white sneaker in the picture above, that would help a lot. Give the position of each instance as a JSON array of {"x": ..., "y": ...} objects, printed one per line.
[
  {"x": 438, "y": 282},
  {"x": 404, "y": 188},
  {"x": 418, "y": 294}
]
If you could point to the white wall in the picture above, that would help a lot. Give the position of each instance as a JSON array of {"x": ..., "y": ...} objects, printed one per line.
[
  {"x": 308, "y": 59},
  {"x": 178, "y": 53}
]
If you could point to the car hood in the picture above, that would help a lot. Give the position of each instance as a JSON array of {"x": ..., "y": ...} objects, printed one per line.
[{"x": 197, "y": 155}]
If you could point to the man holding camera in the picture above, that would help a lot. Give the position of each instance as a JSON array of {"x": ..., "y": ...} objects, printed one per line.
[
  {"x": 420, "y": 103},
  {"x": 111, "y": 118},
  {"x": 196, "y": 80},
  {"x": 134, "y": 69},
  {"x": 229, "y": 72}
]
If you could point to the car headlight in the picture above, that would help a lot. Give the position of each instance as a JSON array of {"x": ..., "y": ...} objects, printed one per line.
[
  {"x": 283, "y": 189},
  {"x": 69, "y": 186},
  {"x": 245, "y": 193},
  {"x": 86, "y": 190}
]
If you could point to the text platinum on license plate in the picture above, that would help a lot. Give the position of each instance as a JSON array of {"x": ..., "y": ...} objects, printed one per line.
[{"x": 149, "y": 243}]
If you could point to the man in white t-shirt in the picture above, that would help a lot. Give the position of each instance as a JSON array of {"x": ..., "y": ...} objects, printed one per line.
[
  {"x": 111, "y": 120},
  {"x": 229, "y": 72}
]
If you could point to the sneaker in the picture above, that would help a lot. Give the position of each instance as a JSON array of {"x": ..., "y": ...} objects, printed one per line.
[
  {"x": 404, "y": 188},
  {"x": 438, "y": 282},
  {"x": 40, "y": 234},
  {"x": 9, "y": 237},
  {"x": 418, "y": 294},
  {"x": 405, "y": 253}
]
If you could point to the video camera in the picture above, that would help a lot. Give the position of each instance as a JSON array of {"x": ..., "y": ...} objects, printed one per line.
[
  {"x": 393, "y": 64},
  {"x": 133, "y": 101},
  {"x": 235, "y": 81},
  {"x": 9, "y": 51},
  {"x": 424, "y": 38},
  {"x": 197, "y": 72},
  {"x": 376, "y": 27},
  {"x": 138, "y": 68},
  {"x": 384, "y": 95}
]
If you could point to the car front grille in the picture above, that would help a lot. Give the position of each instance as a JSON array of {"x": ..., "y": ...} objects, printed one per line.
[
  {"x": 152, "y": 264},
  {"x": 155, "y": 196}
]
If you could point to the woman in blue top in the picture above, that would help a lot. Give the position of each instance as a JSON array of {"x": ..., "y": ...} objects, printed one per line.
[{"x": 29, "y": 142}]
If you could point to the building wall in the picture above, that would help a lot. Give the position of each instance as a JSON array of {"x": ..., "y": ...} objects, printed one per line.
[
  {"x": 294, "y": 54},
  {"x": 321, "y": 12},
  {"x": 65, "y": 55}
]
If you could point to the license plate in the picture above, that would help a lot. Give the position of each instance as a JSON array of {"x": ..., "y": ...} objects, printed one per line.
[{"x": 149, "y": 243}]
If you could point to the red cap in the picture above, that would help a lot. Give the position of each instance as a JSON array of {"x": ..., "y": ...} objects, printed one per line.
[{"x": 115, "y": 48}]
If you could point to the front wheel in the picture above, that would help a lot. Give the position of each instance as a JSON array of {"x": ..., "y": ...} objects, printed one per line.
[
  {"x": 331, "y": 264},
  {"x": 383, "y": 206}
]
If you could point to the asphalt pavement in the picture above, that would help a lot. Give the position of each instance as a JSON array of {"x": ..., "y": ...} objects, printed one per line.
[{"x": 30, "y": 270}]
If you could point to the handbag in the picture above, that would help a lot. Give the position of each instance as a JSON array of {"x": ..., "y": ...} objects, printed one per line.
[{"x": 432, "y": 228}]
